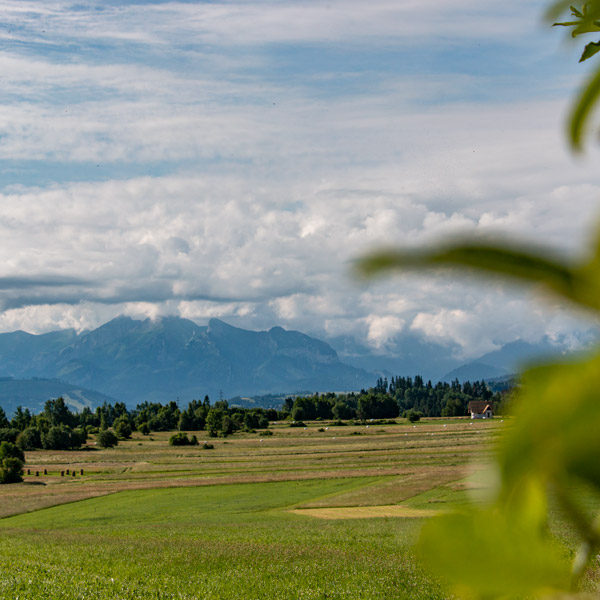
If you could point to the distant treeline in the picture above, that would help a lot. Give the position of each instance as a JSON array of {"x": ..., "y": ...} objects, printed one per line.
[
  {"x": 59, "y": 428},
  {"x": 398, "y": 397}
]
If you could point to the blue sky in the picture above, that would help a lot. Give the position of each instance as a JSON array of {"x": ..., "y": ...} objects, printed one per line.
[{"x": 230, "y": 159}]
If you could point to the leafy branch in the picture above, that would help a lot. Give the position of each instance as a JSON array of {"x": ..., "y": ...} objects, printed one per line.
[{"x": 586, "y": 20}]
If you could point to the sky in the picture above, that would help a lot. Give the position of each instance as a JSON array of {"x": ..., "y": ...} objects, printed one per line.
[{"x": 232, "y": 159}]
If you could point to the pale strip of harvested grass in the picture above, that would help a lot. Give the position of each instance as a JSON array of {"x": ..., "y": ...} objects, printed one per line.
[
  {"x": 394, "y": 489},
  {"x": 365, "y": 512}
]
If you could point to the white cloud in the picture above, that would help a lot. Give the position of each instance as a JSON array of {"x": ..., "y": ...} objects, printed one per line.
[
  {"x": 275, "y": 178},
  {"x": 383, "y": 329}
]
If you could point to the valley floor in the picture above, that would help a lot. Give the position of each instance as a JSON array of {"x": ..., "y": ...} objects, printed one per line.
[{"x": 299, "y": 514}]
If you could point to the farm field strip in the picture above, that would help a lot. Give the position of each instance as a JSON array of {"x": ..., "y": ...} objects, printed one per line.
[
  {"x": 335, "y": 519},
  {"x": 289, "y": 454}
]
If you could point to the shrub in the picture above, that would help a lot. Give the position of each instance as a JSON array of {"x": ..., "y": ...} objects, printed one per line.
[
  {"x": 29, "y": 439},
  {"x": 207, "y": 446},
  {"x": 8, "y": 434},
  {"x": 11, "y": 463},
  {"x": 266, "y": 432},
  {"x": 123, "y": 429},
  {"x": 107, "y": 439},
  {"x": 413, "y": 415},
  {"x": 57, "y": 438},
  {"x": 179, "y": 439},
  {"x": 11, "y": 470},
  {"x": 297, "y": 424},
  {"x": 144, "y": 428}
]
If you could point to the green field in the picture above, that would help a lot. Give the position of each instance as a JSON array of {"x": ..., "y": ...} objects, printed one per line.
[{"x": 300, "y": 514}]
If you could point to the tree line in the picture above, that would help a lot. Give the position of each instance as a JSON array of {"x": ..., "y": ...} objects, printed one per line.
[
  {"x": 400, "y": 396},
  {"x": 59, "y": 428}
]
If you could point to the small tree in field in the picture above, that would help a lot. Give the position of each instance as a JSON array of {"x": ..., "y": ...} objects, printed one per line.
[
  {"x": 11, "y": 463},
  {"x": 107, "y": 439}
]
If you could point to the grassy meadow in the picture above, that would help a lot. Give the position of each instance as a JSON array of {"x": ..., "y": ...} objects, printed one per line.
[{"x": 300, "y": 514}]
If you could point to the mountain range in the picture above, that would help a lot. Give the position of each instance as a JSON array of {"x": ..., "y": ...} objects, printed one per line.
[
  {"x": 173, "y": 358},
  {"x": 168, "y": 358}
]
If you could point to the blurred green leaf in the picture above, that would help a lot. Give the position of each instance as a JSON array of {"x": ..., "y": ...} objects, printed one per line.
[
  {"x": 575, "y": 12},
  {"x": 486, "y": 553},
  {"x": 578, "y": 285},
  {"x": 589, "y": 51},
  {"x": 582, "y": 109},
  {"x": 555, "y": 434}
]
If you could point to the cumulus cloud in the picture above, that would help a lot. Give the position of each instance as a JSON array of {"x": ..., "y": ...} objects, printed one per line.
[{"x": 221, "y": 160}]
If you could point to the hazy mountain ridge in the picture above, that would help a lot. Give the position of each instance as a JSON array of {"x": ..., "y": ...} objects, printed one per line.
[
  {"x": 171, "y": 357},
  {"x": 33, "y": 393}
]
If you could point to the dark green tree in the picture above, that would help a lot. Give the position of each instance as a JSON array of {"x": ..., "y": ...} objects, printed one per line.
[
  {"x": 12, "y": 460},
  {"x": 106, "y": 439}
]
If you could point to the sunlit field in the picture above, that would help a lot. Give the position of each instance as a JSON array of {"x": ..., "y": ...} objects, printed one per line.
[{"x": 301, "y": 513}]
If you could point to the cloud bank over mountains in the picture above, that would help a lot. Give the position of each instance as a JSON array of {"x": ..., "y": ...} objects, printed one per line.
[{"x": 231, "y": 160}]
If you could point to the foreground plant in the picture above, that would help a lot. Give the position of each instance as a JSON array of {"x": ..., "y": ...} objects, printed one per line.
[{"x": 503, "y": 549}]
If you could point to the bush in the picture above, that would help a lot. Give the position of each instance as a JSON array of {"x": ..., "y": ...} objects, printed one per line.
[
  {"x": 413, "y": 415},
  {"x": 144, "y": 428},
  {"x": 181, "y": 439},
  {"x": 11, "y": 463},
  {"x": 11, "y": 470},
  {"x": 29, "y": 439},
  {"x": 297, "y": 424},
  {"x": 8, "y": 434},
  {"x": 123, "y": 429},
  {"x": 207, "y": 446},
  {"x": 266, "y": 432},
  {"x": 107, "y": 439},
  {"x": 57, "y": 438}
]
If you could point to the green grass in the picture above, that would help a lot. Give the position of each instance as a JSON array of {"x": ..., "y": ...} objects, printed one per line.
[
  {"x": 227, "y": 541},
  {"x": 148, "y": 520}
]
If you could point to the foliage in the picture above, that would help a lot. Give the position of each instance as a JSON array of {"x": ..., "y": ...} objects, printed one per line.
[
  {"x": 181, "y": 439},
  {"x": 62, "y": 437},
  {"x": 122, "y": 428},
  {"x": 386, "y": 400},
  {"x": 554, "y": 445},
  {"x": 3, "y": 420},
  {"x": 8, "y": 434},
  {"x": 11, "y": 463},
  {"x": 585, "y": 20},
  {"x": 29, "y": 439},
  {"x": 413, "y": 415},
  {"x": 107, "y": 439}
]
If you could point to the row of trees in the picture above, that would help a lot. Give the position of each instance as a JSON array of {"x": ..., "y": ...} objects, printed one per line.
[
  {"x": 59, "y": 428},
  {"x": 390, "y": 399}
]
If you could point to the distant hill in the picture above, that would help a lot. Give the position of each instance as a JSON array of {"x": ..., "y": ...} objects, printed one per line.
[
  {"x": 169, "y": 358},
  {"x": 507, "y": 360},
  {"x": 33, "y": 393},
  {"x": 474, "y": 371}
]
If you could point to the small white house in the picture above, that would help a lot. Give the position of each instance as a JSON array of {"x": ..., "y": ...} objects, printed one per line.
[{"x": 480, "y": 409}]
